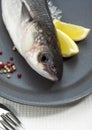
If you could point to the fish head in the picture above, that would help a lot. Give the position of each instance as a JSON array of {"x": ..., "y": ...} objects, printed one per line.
[
  {"x": 43, "y": 55},
  {"x": 40, "y": 45}
]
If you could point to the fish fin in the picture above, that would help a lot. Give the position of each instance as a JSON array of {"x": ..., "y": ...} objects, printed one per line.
[
  {"x": 56, "y": 13},
  {"x": 25, "y": 13}
]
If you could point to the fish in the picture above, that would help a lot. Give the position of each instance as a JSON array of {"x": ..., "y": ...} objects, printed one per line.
[{"x": 30, "y": 26}]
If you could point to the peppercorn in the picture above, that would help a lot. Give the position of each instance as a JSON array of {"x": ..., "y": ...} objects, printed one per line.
[
  {"x": 11, "y": 58},
  {"x": 14, "y": 48},
  {"x": 1, "y": 52},
  {"x": 8, "y": 76},
  {"x": 11, "y": 70},
  {"x": 19, "y": 75}
]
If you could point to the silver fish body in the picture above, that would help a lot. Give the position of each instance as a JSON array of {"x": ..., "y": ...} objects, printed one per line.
[{"x": 30, "y": 26}]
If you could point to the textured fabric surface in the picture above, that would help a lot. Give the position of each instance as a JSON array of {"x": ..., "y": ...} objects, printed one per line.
[{"x": 77, "y": 116}]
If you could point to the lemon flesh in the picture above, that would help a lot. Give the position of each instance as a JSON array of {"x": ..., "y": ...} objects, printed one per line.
[
  {"x": 77, "y": 33},
  {"x": 67, "y": 46}
]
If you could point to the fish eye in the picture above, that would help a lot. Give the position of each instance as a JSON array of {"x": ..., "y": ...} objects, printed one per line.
[
  {"x": 46, "y": 58},
  {"x": 43, "y": 58}
]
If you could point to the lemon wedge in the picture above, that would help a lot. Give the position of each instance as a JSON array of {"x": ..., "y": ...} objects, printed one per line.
[
  {"x": 67, "y": 46},
  {"x": 77, "y": 33}
]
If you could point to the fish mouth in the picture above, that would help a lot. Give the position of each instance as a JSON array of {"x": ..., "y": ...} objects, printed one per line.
[{"x": 52, "y": 75}]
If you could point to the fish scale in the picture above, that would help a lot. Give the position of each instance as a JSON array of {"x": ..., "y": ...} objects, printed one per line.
[{"x": 40, "y": 14}]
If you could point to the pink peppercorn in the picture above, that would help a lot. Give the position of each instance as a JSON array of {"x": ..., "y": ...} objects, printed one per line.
[
  {"x": 19, "y": 75},
  {"x": 1, "y": 52},
  {"x": 2, "y": 65},
  {"x": 12, "y": 64},
  {"x": 11, "y": 70},
  {"x": 11, "y": 58}
]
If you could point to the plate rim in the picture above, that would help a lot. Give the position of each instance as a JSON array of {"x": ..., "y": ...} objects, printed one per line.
[{"x": 51, "y": 104}]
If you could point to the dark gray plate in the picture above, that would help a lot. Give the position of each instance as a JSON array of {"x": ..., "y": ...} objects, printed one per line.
[{"x": 32, "y": 89}]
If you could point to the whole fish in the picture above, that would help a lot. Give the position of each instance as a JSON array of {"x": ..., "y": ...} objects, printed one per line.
[{"x": 31, "y": 28}]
